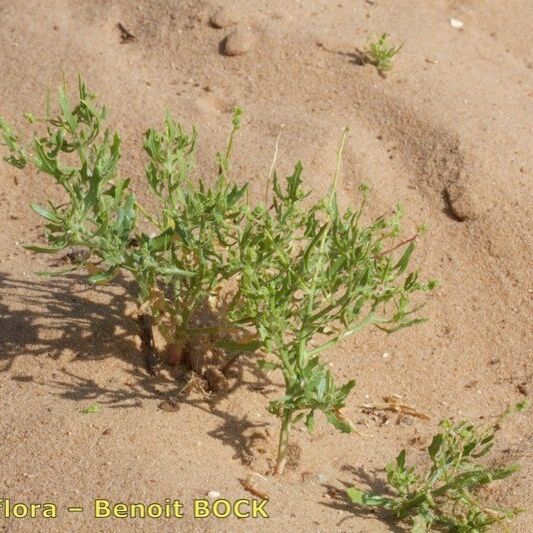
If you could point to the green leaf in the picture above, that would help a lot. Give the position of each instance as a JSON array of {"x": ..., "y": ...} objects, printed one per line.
[
  {"x": 435, "y": 445},
  {"x": 400, "y": 460},
  {"x": 402, "y": 325},
  {"x": 162, "y": 241},
  {"x": 126, "y": 216},
  {"x": 342, "y": 425},
  {"x": 103, "y": 277},
  {"x": 297, "y": 418},
  {"x": 310, "y": 421},
  {"x": 321, "y": 388},
  {"x": 236, "y": 346},
  {"x": 367, "y": 499},
  {"x": 267, "y": 365},
  {"x": 95, "y": 408},
  {"x": 175, "y": 271},
  {"x": 65, "y": 108},
  {"x": 45, "y": 213},
  {"x": 55, "y": 273},
  {"x": 346, "y": 389},
  {"x": 43, "y": 249},
  {"x": 45, "y": 162},
  {"x": 402, "y": 264}
]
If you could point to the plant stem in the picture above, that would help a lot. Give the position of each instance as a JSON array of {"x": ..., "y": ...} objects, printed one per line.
[
  {"x": 147, "y": 342},
  {"x": 283, "y": 443},
  {"x": 147, "y": 215},
  {"x": 406, "y": 241},
  {"x": 273, "y": 165},
  {"x": 318, "y": 268},
  {"x": 355, "y": 329}
]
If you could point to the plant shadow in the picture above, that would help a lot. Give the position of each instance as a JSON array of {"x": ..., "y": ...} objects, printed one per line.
[
  {"x": 358, "y": 57},
  {"x": 40, "y": 318},
  {"x": 340, "y": 500}
]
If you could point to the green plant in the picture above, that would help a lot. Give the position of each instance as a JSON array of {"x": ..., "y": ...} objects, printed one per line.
[
  {"x": 191, "y": 248},
  {"x": 94, "y": 408},
  {"x": 445, "y": 495},
  {"x": 316, "y": 275},
  {"x": 301, "y": 274},
  {"x": 380, "y": 53}
]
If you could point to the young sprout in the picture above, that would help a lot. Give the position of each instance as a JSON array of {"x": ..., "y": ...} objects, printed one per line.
[
  {"x": 380, "y": 53},
  {"x": 445, "y": 495}
]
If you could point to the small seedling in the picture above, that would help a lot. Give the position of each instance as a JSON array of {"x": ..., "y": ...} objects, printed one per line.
[
  {"x": 380, "y": 53},
  {"x": 445, "y": 496},
  {"x": 91, "y": 409}
]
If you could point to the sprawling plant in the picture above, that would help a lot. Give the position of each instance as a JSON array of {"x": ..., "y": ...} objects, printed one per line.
[
  {"x": 304, "y": 275},
  {"x": 316, "y": 275},
  {"x": 191, "y": 246},
  {"x": 444, "y": 496}
]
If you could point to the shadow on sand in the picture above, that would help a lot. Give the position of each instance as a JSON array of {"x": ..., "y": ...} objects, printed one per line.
[{"x": 46, "y": 318}]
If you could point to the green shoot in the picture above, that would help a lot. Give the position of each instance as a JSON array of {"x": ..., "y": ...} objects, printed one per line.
[
  {"x": 95, "y": 408},
  {"x": 191, "y": 247},
  {"x": 380, "y": 53},
  {"x": 445, "y": 496},
  {"x": 311, "y": 277}
]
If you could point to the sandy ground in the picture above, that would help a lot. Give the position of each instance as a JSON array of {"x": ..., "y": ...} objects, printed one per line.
[{"x": 447, "y": 133}]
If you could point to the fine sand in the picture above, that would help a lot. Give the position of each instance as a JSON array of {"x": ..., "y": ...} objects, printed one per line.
[{"x": 447, "y": 133}]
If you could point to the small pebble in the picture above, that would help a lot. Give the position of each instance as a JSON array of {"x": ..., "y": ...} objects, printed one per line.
[
  {"x": 385, "y": 355},
  {"x": 523, "y": 389},
  {"x": 460, "y": 202},
  {"x": 224, "y": 17},
  {"x": 214, "y": 494},
  {"x": 456, "y": 23},
  {"x": 238, "y": 42}
]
